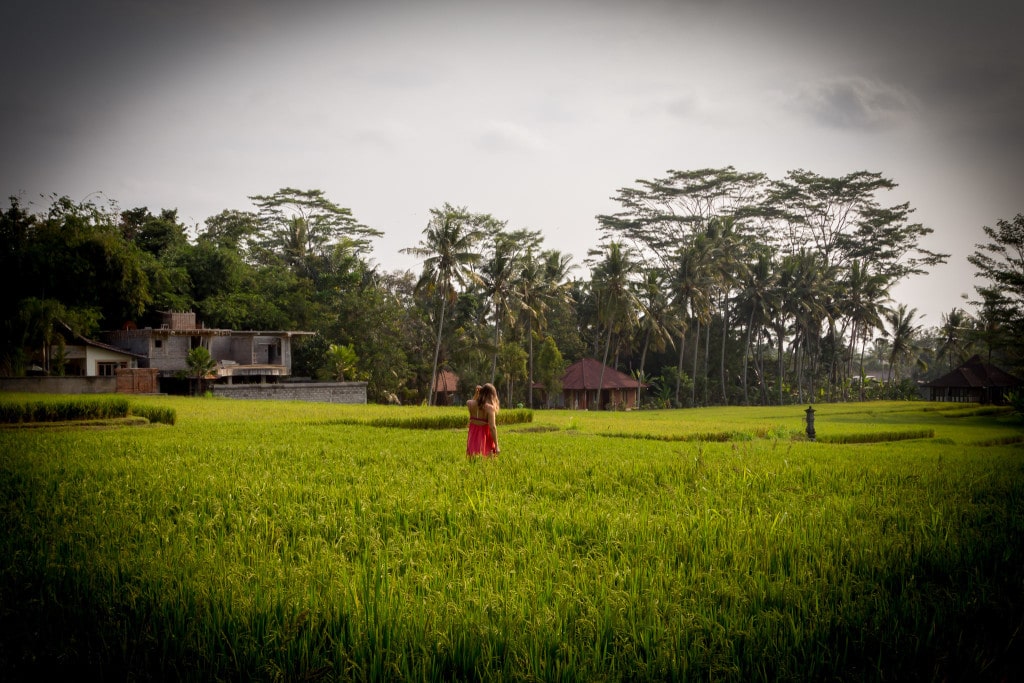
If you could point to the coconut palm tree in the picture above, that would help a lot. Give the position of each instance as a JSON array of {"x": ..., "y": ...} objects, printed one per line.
[
  {"x": 728, "y": 269},
  {"x": 498, "y": 275},
  {"x": 754, "y": 302},
  {"x": 953, "y": 328},
  {"x": 798, "y": 305},
  {"x": 542, "y": 283},
  {"x": 811, "y": 297},
  {"x": 902, "y": 337},
  {"x": 616, "y": 301},
  {"x": 656, "y": 322},
  {"x": 449, "y": 249},
  {"x": 691, "y": 292},
  {"x": 862, "y": 301}
]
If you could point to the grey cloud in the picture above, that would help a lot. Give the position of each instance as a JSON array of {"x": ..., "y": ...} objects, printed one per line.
[{"x": 855, "y": 103}]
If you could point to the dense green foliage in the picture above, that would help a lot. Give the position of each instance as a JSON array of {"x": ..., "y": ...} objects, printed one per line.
[
  {"x": 717, "y": 287},
  {"x": 269, "y": 541}
]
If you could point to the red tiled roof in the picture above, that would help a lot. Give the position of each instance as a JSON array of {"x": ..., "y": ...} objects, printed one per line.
[
  {"x": 446, "y": 383},
  {"x": 978, "y": 374},
  {"x": 585, "y": 374}
]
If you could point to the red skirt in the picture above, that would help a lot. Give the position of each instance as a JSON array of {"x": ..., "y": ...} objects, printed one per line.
[{"x": 480, "y": 441}]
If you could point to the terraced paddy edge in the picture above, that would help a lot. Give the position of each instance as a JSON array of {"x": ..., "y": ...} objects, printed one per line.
[{"x": 259, "y": 542}]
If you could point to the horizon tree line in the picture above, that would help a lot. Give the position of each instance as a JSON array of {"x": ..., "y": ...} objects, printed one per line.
[{"x": 710, "y": 286}]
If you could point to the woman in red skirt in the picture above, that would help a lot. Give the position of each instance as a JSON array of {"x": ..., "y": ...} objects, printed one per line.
[{"x": 483, "y": 429}]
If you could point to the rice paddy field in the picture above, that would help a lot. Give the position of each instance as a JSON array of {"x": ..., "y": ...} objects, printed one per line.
[{"x": 210, "y": 539}]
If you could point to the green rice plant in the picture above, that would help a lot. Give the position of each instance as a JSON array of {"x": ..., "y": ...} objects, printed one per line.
[
  {"x": 979, "y": 410},
  {"x": 259, "y": 540},
  {"x": 879, "y": 437},
  {"x": 1001, "y": 441},
  {"x": 62, "y": 408},
  {"x": 155, "y": 413},
  {"x": 438, "y": 420},
  {"x": 695, "y": 436}
]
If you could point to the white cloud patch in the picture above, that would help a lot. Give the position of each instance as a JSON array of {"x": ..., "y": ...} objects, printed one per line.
[
  {"x": 506, "y": 136},
  {"x": 855, "y": 103}
]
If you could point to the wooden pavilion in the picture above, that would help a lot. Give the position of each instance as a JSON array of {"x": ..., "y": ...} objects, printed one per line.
[
  {"x": 974, "y": 382},
  {"x": 580, "y": 388}
]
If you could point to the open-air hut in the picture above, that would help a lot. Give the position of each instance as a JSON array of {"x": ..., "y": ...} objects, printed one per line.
[
  {"x": 974, "y": 382},
  {"x": 445, "y": 387},
  {"x": 581, "y": 389}
]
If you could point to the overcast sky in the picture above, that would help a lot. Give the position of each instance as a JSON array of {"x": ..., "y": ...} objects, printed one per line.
[{"x": 534, "y": 112}]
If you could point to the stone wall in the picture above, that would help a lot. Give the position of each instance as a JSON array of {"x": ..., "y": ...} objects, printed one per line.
[
  {"x": 320, "y": 392},
  {"x": 59, "y": 385}
]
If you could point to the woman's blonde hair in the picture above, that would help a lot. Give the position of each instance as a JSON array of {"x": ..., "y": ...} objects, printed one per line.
[{"x": 488, "y": 394}]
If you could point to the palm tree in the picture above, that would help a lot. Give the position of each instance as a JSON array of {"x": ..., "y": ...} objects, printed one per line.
[
  {"x": 754, "y": 299},
  {"x": 449, "y": 251},
  {"x": 953, "y": 326},
  {"x": 200, "y": 364},
  {"x": 496, "y": 275},
  {"x": 903, "y": 333},
  {"x": 862, "y": 302},
  {"x": 692, "y": 300},
  {"x": 616, "y": 302},
  {"x": 541, "y": 284},
  {"x": 811, "y": 298},
  {"x": 799, "y": 298},
  {"x": 728, "y": 269},
  {"x": 655, "y": 324},
  {"x": 342, "y": 362}
]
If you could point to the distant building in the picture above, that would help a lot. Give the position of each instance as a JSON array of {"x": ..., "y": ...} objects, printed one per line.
[
  {"x": 581, "y": 390},
  {"x": 445, "y": 387},
  {"x": 245, "y": 356},
  {"x": 84, "y": 357},
  {"x": 974, "y": 382}
]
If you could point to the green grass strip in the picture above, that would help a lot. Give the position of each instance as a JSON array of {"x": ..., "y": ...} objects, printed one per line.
[
  {"x": 443, "y": 421},
  {"x": 877, "y": 437},
  {"x": 978, "y": 411}
]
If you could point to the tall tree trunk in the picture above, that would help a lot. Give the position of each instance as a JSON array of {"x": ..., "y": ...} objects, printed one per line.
[
  {"x": 679, "y": 366},
  {"x": 529, "y": 334},
  {"x": 600, "y": 381},
  {"x": 799, "y": 370},
  {"x": 863, "y": 343},
  {"x": 497, "y": 342},
  {"x": 778, "y": 380},
  {"x": 696, "y": 345},
  {"x": 760, "y": 367},
  {"x": 725, "y": 330},
  {"x": 746, "y": 358},
  {"x": 437, "y": 353},
  {"x": 643, "y": 354},
  {"x": 707, "y": 362}
]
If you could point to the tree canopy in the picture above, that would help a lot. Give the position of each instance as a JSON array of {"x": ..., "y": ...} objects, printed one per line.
[{"x": 714, "y": 286}]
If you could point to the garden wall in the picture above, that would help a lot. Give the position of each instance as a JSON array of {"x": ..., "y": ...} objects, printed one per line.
[
  {"x": 320, "y": 392},
  {"x": 59, "y": 385}
]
